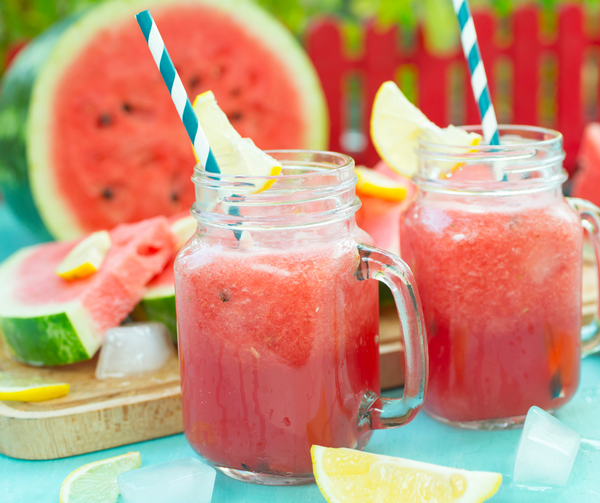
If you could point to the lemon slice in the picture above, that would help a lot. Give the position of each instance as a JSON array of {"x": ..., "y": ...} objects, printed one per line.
[
  {"x": 86, "y": 258},
  {"x": 30, "y": 389},
  {"x": 97, "y": 482},
  {"x": 396, "y": 125},
  {"x": 235, "y": 155},
  {"x": 373, "y": 183},
  {"x": 182, "y": 230},
  {"x": 354, "y": 476}
]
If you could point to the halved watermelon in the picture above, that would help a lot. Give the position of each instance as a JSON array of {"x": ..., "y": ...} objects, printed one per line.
[
  {"x": 586, "y": 183},
  {"x": 46, "y": 320},
  {"x": 87, "y": 126}
]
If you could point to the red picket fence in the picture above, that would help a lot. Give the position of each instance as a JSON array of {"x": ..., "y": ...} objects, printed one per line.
[{"x": 543, "y": 72}]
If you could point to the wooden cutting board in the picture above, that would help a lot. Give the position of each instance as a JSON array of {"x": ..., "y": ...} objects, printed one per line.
[
  {"x": 95, "y": 414},
  {"x": 102, "y": 414}
]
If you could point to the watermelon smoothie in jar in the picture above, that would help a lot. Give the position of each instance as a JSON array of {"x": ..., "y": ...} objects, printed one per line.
[
  {"x": 498, "y": 265},
  {"x": 278, "y": 325}
]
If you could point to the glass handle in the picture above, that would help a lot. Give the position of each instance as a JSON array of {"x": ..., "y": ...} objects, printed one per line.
[
  {"x": 590, "y": 220},
  {"x": 376, "y": 411}
]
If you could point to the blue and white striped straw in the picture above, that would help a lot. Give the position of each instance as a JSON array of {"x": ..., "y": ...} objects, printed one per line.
[
  {"x": 178, "y": 94},
  {"x": 468, "y": 37}
]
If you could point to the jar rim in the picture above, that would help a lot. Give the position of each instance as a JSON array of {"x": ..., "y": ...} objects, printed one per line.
[
  {"x": 345, "y": 162},
  {"x": 529, "y": 159},
  {"x": 315, "y": 188},
  {"x": 551, "y": 136}
]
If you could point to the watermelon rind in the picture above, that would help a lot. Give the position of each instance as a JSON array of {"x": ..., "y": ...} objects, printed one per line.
[
  {"x": 49, "y": 334},
  {"x": 60, "y": 46},
  {"x": 15, "y": 98},
  {"x": 159, "y": 305}
]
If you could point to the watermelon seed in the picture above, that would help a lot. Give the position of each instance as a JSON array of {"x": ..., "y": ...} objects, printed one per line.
[
  {"x": 104, "y": 120},
  {"x": 235, "y": 116},
  {"x": 174, "y": 197},
  {"x": 236, "y": 91},
  {"x": 108, "y": 194},
  {"x": 194, "y": 81},
  {"x": 127, "y": 108},
  {"x": 224, "y": 296}
]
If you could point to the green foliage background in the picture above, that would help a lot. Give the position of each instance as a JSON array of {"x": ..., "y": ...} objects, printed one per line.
[{"x": 23, "y": 19}]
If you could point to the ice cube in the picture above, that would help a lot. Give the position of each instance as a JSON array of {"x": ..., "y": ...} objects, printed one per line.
[
  {"x": 546, "y": 451},
  {"x": 134, "y": 349},
  {"x": 186, "y": 480}
]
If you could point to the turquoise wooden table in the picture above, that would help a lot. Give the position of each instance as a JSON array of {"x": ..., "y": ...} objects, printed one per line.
[{"x": 424, "y": 439}]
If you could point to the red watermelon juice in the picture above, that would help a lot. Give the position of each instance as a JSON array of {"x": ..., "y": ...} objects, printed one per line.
[
  {"x": 498, "y": 265},
  {"x": 278, "y": 324},
  {"x": 501, "y": 293},
  {"x": 277, "y": 351}
]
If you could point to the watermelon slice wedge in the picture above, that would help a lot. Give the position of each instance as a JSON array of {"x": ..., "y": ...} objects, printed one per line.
[
  {"x": 46, "y": 320},
  {"x": 89, "y": 136},
  {"x": 586, "y": 182},
  {"x": 158, "y": 303}
]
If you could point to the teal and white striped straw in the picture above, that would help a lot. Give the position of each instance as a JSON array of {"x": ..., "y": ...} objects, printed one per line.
[
  {"x": 178, "y": 94},
  {"x": 479, "y": 83}
]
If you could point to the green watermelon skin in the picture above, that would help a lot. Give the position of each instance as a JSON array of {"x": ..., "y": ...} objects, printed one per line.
[
  {"x": 46, "y": 320},
  {"x": 162, "y": 309},
  {"x": 34, "y": 340},
  {"x": 36, "y": 199},
  {"x": 15, "y": 96}
]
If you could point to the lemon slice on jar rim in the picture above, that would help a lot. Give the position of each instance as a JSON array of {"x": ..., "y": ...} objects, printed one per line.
[
  {"x": 397, "y": 125},
  {"x": 351, "y": 476},
  {"x": 235, "y": 155}
]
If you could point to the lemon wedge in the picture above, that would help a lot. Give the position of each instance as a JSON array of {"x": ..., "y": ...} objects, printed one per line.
[
  {"x": 235, "y": 155},
  {"x": 30, "y": 389},
  {"x": 396, "y": 125},
  {"x": 97, "y": 482},
  {"x": 353, "y": 476},
  {"x": 182, "y": 230},
  {"x": 373, "y": 183},
  {"x": 86, "y": 257}
]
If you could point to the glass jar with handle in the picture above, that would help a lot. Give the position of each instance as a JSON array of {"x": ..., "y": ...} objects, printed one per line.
[
  {"x": 277, "y": 325},
  {"x": 496, "y": 250}
]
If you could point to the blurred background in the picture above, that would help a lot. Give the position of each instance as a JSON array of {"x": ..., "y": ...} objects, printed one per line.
[{"x": 542, "y": 58}]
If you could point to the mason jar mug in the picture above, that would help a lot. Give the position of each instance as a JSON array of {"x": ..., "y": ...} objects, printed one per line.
[
  {"x": 277, "y": 325},
  {"x": 496, "y": 251}
]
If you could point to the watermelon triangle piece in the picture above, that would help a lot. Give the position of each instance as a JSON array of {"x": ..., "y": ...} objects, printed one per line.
[
  {"x": 46, "y": 320},
  {"x": 586, "y": 183},
  {"x": 158, "y": 303}
]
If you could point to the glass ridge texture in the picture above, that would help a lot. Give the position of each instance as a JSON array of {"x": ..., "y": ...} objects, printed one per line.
[
  {"x": 278, "y": 331},
  {"x": 498, "y": 265}
]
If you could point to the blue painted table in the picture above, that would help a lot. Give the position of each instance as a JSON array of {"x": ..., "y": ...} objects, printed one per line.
[{"x": 424, "y": 439}]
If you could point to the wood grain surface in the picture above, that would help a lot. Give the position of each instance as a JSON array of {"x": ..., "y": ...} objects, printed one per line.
[{"x": 94, "y": 415}]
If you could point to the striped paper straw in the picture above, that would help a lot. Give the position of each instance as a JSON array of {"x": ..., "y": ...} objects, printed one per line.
[
  {"x": 468, "y": 37},
  {"x": 178, "y": 94}
]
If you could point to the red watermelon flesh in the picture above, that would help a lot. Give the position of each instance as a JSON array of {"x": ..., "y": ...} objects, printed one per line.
[
  {"x": 137, "y": 253},
  {"x": 586, "y": 184},
  {"x": 109, "y": 137},
  {"x": 167, "y": 277}
]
